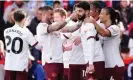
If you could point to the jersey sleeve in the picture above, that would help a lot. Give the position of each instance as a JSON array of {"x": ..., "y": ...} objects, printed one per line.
[
  {"x": 31, "y": 39},
  {"x": 89, "y": 42},
  {"x": 4, "y": 32},
  {"x": 90, "y": 30},
  {"x": 114, "y": 30},
  {"x": 42, "y": 28}
]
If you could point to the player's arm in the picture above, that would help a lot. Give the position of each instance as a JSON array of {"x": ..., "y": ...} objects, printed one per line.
[
  {"x": 32, "y": 41},
  {"x": 91, "y": 49},
  {"x": 56, "y": 26},
  {"x": 67, "y": 41},
  {"x": 72, "y": 28},
  {"x": 90, "y": 46},
  {"x": 102, "y": 31},
  {"x": 2, "y": 49},
  {"x": 1, "y": 46}
]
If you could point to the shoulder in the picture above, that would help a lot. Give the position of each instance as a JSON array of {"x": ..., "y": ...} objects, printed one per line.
[
  {"x": 6, "y": 29},
  {"x": 114, "y": 27},
  {"x": 42, "y": 25},
  {"x": 26, "y": 30},
  {"x": 89, "y": 26}
]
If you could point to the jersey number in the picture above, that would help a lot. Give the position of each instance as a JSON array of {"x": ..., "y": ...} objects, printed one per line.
[{"x": 13, "y": 44}]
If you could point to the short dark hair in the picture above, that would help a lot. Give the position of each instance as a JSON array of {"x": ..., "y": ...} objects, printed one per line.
[
  {"x": 19, "y": 15},
  {"x": 56, "y": 2},
  {"x": 46, "y": 8},
  {"x": 97, "y": 5},
  {"x": 84, "y": 5},
  {"x": 40, "y": 8}
]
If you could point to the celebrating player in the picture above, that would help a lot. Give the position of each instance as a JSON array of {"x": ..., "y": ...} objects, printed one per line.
[
  {"x": 114, "y": 65},
  {"x": 17, "y": 39}
]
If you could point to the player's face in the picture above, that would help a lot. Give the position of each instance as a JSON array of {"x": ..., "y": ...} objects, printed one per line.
[
  {"x": 57, "y": 6},
  {"x": 80, "y": 12},
  {"x": 50, "y": 16},
  {"x": 58, "y": 17},
  {"x": 92, "y": 11},
  {"x": 39, "y": 15},
  {"x": 103, "y": 16}
]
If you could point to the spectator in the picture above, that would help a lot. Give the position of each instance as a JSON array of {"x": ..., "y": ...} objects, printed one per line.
[
  {"x": 15, "y": 5},
  {"x": 56, "y": 4},
  {"x": 36, "y": 71},
  {"x": 35, "y": 21},
  {"x": 10, "y": 22},
  {"x": 34, "y": 5},
  {"x": 130, "y": 44},
  {"x": 125, "y": 11},
  {"x": 2, "y": 72},
  {"x": 2, "y": 23}
]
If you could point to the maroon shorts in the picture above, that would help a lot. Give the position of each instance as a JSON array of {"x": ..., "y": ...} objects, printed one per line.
[
  {"x": 16, "y": 75},
  {"x": 65, "y": 74},
  {"x": 117, "y": 73},
  {"x": 99, "y": 71},
  {"x": 54, "y": 71},
  {"x": 77, "y": 72}
]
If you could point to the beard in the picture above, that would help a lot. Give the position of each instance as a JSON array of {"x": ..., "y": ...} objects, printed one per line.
[
  {"x": 50, "y": 21},
  {"x": 81, "y": 18}
]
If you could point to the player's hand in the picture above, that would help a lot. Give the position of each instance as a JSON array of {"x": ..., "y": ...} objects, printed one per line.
[
  {"x": 10, "y": 17},
  {"x": 29, "y": 63},
  {"x": 77, "y": 41},
  {"x": 27, "y": 21},
  {"x": 89, "y": 20},
  {"x": 90, "y": 69},
  {"x": 67, "y": 47},
  {"x": 74, "y": 16}
]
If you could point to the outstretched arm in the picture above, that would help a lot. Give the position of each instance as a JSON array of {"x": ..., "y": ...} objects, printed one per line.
[
  {"x": 100, "y": 30},
  {"x": 72, "y": 28},
  {"x": 56, "y": 26}
]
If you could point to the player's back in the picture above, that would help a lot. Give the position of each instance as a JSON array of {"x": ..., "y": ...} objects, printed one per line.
[{"x": 17, "y": 41}]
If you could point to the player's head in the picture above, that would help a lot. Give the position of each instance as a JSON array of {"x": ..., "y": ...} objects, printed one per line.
[
  {"x": 19, "y": 3},
  {"x": 95, "y": 9},
  {"x": 109, "y": 14},
  {"x": 19, "y": 16},
  {"x": 82, "y": 9},
  {"x": 59, "y": 14},
  {"x": 39, "y": 13},
  {"x": 47, "y": 11},
  {"x": 57, "y": 4}
]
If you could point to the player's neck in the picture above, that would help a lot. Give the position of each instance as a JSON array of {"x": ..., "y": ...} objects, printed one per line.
[
  {"x": 20, "y": 24},
  {"x": 46, "y": 21},
  {"x": 96, "y": 18},
  {"x": 107, "y": 23}
]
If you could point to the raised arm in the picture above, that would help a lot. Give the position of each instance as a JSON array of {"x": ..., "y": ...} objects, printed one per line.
[
  {"x": 56, "y": 26},
  {"x": 102, "y": 31},
  {"x": 72, "y": 28}
]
